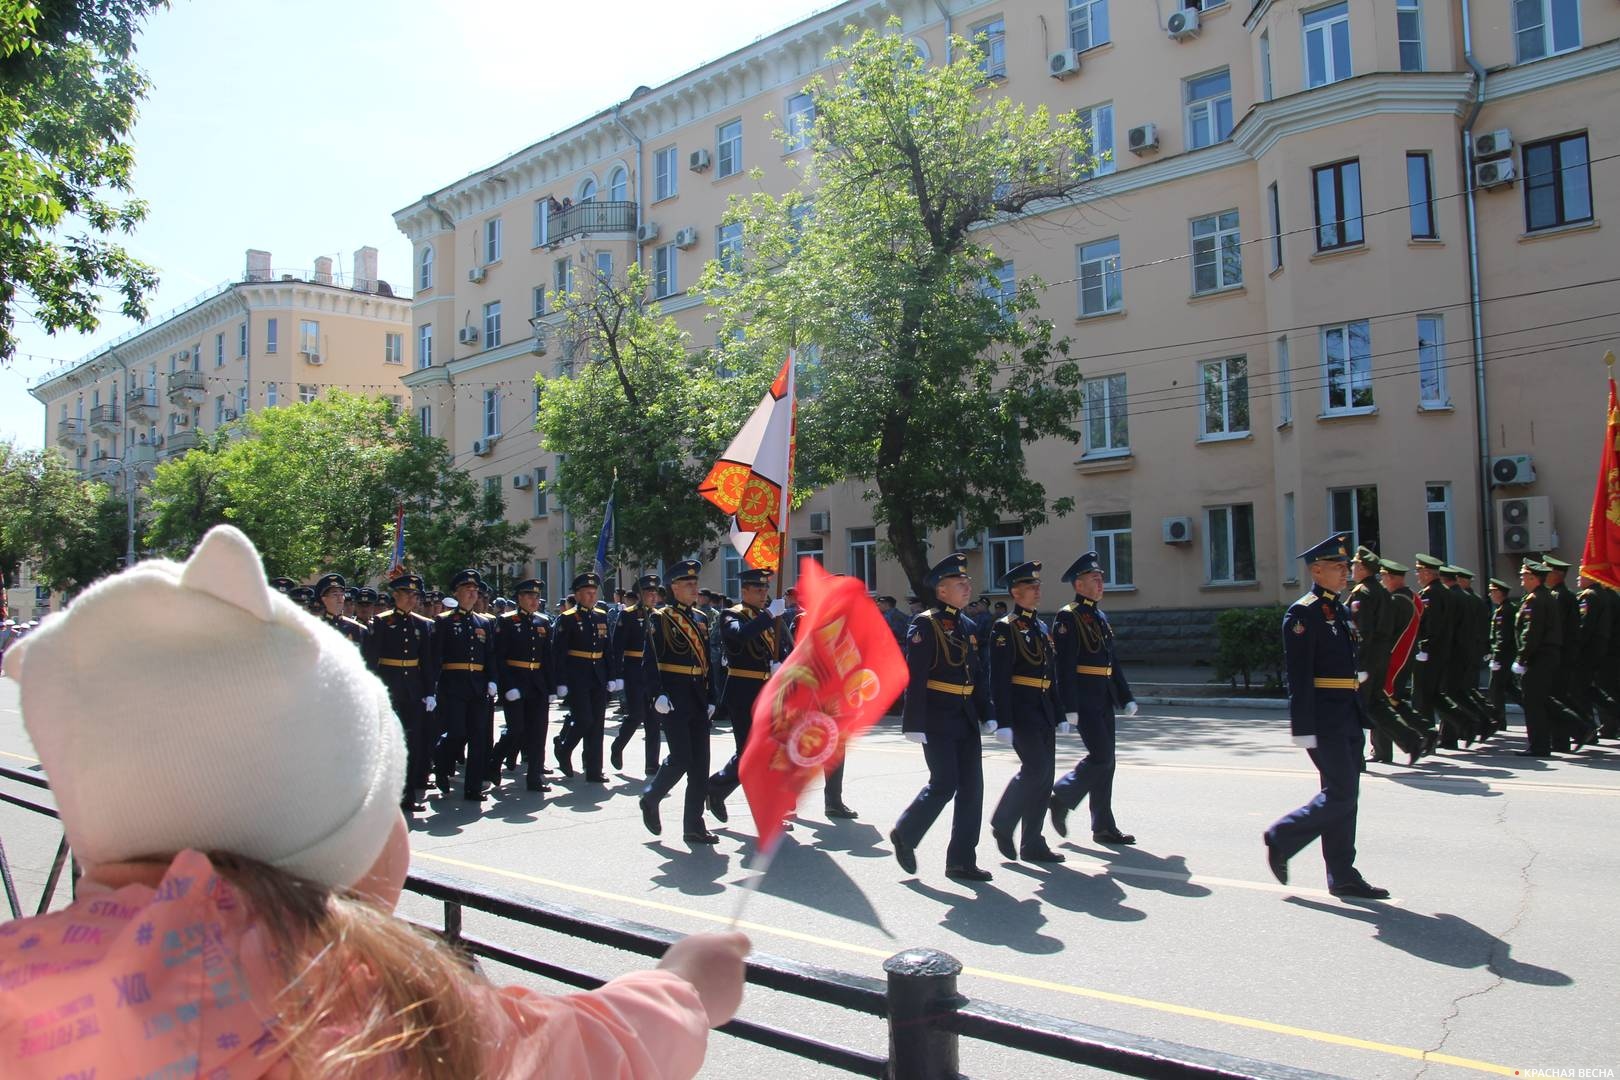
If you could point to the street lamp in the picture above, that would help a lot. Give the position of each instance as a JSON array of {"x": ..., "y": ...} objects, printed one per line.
[{"x": 137, "y": 456}]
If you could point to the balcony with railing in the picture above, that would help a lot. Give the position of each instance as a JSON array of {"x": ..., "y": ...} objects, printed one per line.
[
  {"x": 141, "y": 402},
  {"x": 70, "y": 431},
  {"x": 104, "y": 420},
  {"x": 594, "y": 216},
  {"x": 179, "y": 442},
  {"x": 188, "y": 386}
]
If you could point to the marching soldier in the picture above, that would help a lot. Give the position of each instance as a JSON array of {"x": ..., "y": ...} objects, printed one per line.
[
  {"x": 1326, "y": 718},
  {"x": 1436, "y": 634},
  {"x": 629, "y": 656},
  {"x": 1479, "y": 647},
  {"x": 524, "y": 644},
  {"x": 1398, "y": 683},
  {"x": 1468, "y": 627},
  {"x": 350, "y": 594},
  {"x": 1597, "y": 629},
  {"x": 1539, "y": 644},
  {"x": 584, "y": 678},
  {"x": 1608, "y": 671},
  {"x": 467, "y": 687},
  {"x": 677, "y": 667},
  {"x": 1023, "y": 675},
  {"x": 943, "y": 711},
  {"x": 304, "y": 597},
  {"x": 398, "y": 648},
  {"x": 753, "y": 641},
  {"x": 283, "y": 585},
  {"x": 1373, "y": 612},
  {"x": 333, "y": 598},
  {"x": 1090, "y": 683},
  {"x": 365, "y": 605},
  {"x": 1571, "y": 723},
  {"x": 1503, "y": 651}
]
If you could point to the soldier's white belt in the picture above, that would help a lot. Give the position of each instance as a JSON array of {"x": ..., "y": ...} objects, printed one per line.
[
  {"x": 1030, "y": 680},
  {"x": 1324, "y": 683},
  {"x": 461, "y": 667},
  {"x": 951, "y": 688},
  {"x": 744, "y": 673},
  {"x": 583, "y": 655},
  {"x": 525, "y": 665},
  {"x": 1091, "y": 669},
  {"x": 387, "y": 662}
]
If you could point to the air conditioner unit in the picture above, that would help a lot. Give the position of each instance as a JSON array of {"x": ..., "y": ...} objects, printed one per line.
[
  {"x": 1493, "y": 143},
  {"x": 539, "y": 343},
  {"x": 646, "y": 234},
  {"x": 1512, "y": 469},
  {"x": 227, "y": 416},
  {"x": 1182, "y": 24},
  {"x": 467, "y": 335},
  {"x": 1178, "y": 530},
  {"x": 313, "y": 357},
  {"x": 698, "y": 160},
  {"x": 820, "y": 522},
  {"x": 1143, "y": 138},
  {"x": 185, "y": 355},
  {"x": 482, "y": 447},
  {"x": 1524, "y": 524},
  {"x": 1063, "y": 64},
  {"x": 1490, "y": 174},
  {"x": 523, "y": 481},
  {"x": 685, "y": 238},
  {"x": 477, "y": 275},
  {"x": 967, "y": 540}
]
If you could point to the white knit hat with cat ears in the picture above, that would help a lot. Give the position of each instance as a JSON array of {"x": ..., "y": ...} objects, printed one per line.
[{"x": 188, "y": 705}]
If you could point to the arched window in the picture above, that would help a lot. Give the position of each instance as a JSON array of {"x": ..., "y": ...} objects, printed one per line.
[
  {"x": 424, "y": 269},
  {"x": 619, "y": 184},
  {"x": 587, "y": 189}
]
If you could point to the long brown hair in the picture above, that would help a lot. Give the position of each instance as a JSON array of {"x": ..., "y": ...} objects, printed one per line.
[{"x": 367, "y": 994}]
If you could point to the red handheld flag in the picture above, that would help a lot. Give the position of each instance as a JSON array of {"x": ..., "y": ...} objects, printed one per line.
[
  {"x": 1601, "y": 559},
  {"x": 844, "y": 671}
]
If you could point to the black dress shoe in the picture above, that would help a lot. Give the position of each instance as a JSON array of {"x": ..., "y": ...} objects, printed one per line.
[
  {"x": 1360, "y": 890},
  {"x": 564, "y": 766},
  {"x": 1278, "y": 864},
  {"x": 967, "y": 873},
  {"x": 904, "y": 853},
  {"x": 649, "y": 815},
  {"x": 717, "y": 806},
  {"x": 1533, "y": 753},
  {"x": 703, "y": 836},
  {"x": 1112, "y": 836},
  {"x": 1060, "y": 817},
  {"x": 839, "y": 810},
  {"x": 1004, "y": 844},
  {"x": 1041, "y": 855},
  {"x": 616, "y": 756},
  {"x": 596, "y": 778},
  {"x": 539, "y": 785}
]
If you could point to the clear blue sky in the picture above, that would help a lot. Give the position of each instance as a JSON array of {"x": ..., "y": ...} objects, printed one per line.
[{"x": 300, "y": 126}]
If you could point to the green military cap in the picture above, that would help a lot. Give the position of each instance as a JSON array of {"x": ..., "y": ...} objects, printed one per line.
[
  {"x": 1498, "y": 583},
  {"x": 1552, "y": 562},
  {"x": 1464, "y": 572},
  {"x": 1536, "y": 568},
  {"x": 1450, "y": 571},
  {"x": 1390, "y": 566},
  {"x": 1367, "y": 557},
  {"x": 1428, "y": 562}
]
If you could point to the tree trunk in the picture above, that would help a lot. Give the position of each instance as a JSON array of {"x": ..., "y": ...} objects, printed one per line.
[{"x": 912, "y": 553}]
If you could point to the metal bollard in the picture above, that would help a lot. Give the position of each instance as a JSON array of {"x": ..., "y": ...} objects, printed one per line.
[{"x": 922, "y": 986}]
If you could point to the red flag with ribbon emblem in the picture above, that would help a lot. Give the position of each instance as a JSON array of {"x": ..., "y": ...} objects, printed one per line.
[
  {"x": 844, "y": 671},
  {"x": 1601, "y": 559},
  {"x": 753, "y": 478}
]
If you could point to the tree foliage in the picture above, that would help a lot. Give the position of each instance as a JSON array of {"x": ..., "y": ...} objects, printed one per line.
[
  {"x": 72, "y": 530},
  {"x": 69, "y": 90},
  {"x": 315, "y": 486},
  {"x": 929, "y": 381}
]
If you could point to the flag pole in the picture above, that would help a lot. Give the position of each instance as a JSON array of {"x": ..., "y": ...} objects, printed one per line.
[{"x": 751, "y": 886}]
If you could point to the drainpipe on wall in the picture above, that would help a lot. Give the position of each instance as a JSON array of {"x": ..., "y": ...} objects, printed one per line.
[
  {"x": 637, "y": 140},
  {"x": 1476, "y": 315},
  {"x": 126, "y": 466},
  {"x": 247, "y": 357},
  {"x": 943, "y": 11}
]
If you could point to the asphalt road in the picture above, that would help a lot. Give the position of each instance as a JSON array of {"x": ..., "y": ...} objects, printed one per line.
[{"x": 1497, "y": 954}]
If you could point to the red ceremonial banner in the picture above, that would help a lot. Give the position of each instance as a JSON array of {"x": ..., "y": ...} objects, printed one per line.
[
  {"x": 1601, "y": 560},
  {"x": 843, "y": 673}
]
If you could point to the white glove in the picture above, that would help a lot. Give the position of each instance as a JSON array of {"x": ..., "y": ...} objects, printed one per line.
[
  {"x": 1518, "y": 668},
  {"x": 1004, "y": 735},
  {"x": 662, "y": 706},
  {"x": 1066, "y": 728},
  {"x": 1071, "y": 718},
  {"x": 1361, "y": 677},
  {"x": 562, "y": 691},
  {"x": 1307, "y": 741},
  {"x": 776, "y": 665},
  {"x": 711, "y": 712},
  {"x": 1131, "y": 708},
  {"x": 778, "y": 606},
  {"x": 513, "y": 694},
  {"x": 1423, "y": 657},
  {"x": 494, "y": 691},
  {"x": 917, "y": 737},
  {"x": 615, "y": 685},
  {"x": 1496, "y": 665},
  {"x": 988, "y": 727},
  {"x": 430, "y": 703}
]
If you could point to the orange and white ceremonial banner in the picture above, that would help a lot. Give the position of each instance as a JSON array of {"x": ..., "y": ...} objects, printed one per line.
[
  {"x": 1601, "y": 559},
  {"x": 844, "y": 671},
  {"x": 753, "y": 479}
]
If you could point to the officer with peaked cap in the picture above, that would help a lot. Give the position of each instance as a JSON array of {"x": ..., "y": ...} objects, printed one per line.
[
  {"x": 467, "y": 687},
  {"x": 523, "y": 641},
  {"x": 283, "y": 585},
  {"x": 753, "y": 642},
  {"x": 365, "y": 605},
  {"x": 1437, "y": 633},
  {"x": 1502, "y": 651},
  {"x": 333, "y": 596},
  {"x": 304, "y": 597},
  {"x": 945, "y": 708},
  {"x": 1023, "y": 677},
  {"x": 584, "y": 677},
  {"x": 398, "y": 649},
  {"x": 1326, "y": 718},
  {"x": 630, "y": 654},
  {"x": 1373, "y": 612},
  {"x": 1478, "y": 644},
  {"x": 1090, "y": 683},
  {"x": 1572, "y": 723},
  {"x": 1539, "y": 644},
  {"x": 677, "y": 669}
]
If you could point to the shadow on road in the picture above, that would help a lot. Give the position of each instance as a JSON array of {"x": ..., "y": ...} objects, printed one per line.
[
  {"x": 1097, "y": 895},
  {"x": 993, "y": 917},
  {"x": 812, "y": 877},
  {"x": 694, "y": 870},
  {"x": 1144, "y": 870},
  {"x": 849, "y": 837}
]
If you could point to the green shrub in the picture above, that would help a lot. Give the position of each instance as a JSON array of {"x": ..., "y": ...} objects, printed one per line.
[{"x": 1249, "y": 645}]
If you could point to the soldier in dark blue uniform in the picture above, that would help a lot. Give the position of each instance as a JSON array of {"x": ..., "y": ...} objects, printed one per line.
[
  {"x": 467, "y": 687},
  {"x": 753, "y": 641},
  {"x": 1090, "y": 683},
  {"x": 523, "y": 638},
  {"x": 283, "y": 585},
  {"x": 365, "y": 605},
  {"x": 1327, "y": 719},
  {"x": 333, "y": 594},
  {"x": 584, "y": 677},
  {"x": 1023, "y": 675},
  {"x": 398, "y": 648},
  {"x": 304, "y": 597},
  {"x": 945, "y": 706},
  {"x": 629, "y": 654},
  {"x": 677, "y": 667}
]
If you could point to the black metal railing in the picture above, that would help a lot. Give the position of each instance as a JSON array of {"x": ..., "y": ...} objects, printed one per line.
[
  {"x": 595, "y": 216},
  {"x": 104, "y": 416},
  {"x": 925, "y": 1015},
  {"x": 185, "y": 380}
]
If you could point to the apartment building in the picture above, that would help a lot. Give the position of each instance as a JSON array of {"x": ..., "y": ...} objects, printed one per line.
[{"x": 1340, "y": 267}]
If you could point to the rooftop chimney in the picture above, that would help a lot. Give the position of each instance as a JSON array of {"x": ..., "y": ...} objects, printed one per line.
[
  {"x": 323, "y": 270},
  {"x": 258, "y": 265},
  {"x": 365, "y": 269}
]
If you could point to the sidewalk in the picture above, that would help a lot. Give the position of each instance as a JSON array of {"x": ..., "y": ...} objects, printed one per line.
[{"x": 1195, "y": 684}]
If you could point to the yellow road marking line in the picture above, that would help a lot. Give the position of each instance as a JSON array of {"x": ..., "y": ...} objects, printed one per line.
[
  {"x": 994, "y": 976},
  {"x": 19, "y": 757}
]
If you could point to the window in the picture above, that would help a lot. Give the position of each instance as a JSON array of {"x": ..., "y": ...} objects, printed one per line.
[
  {"x": 618, "y": 184},
  {"x": 994, "y": 61},
  {"x": 1226, "y": 397},
  {"x": 801, "y": 113},
  {"x": 1098, "y": 124},
  {"x": 271, "y": 334},
  {"x": 731, "y": 567},
  {"x": 492, "y": 413},
  {"x": 1290, "y": 538},
  {"x": 424, "y": 345},
  {"x": 728, "y": 245},
  {"x": 1420, "y": 195},
  {"x": 1106, "y": 421},
  {"x": 309, "y": 336},
  {"x": 1265, "y": 66},
  {"x": 1111, "y": 537},
  {"x": 1101, "y": 289},
  {"x": 1217, "y": 252},
  {"x": 219, "y": 350},
  {"x": 1346, "y": 368},
  {"x": 1337, "y": 195},
  {"x": 1088, "y": 24},
  {"x": 1000, "y": 286},
  {"x": 664, "y": 271},
  {"x": 1355, "y": 510},
  {"x": 424, "y": 268},
  {"x": 1229, "y": 544},
  {"x": 542, "y": 494},
  {"x": 492, "y": 324},
  {"x": 863, "y": 557},
  {"x": 241, "y": 345},
  {"x": 1437, "y": 504},
  {"x": 1409, "y": 33},
  {"x": 393, "y": 348},
  {"x": 812, "y": 548},
  {"x": 728, "y": 149},
  {"x": 219, "y": 410},
  {"x": 664, "y": 173},
  {"x": 1557, "y": 183},
  {"x": 562, "y": 276},
  {"x": 1274, "y": 212},
  {"x": 1544, "y": 27},
  {"x": 272, "y": 396},
  {"x": 1327, "y": 45},
  {"x": 542, "y": 221},
  {"x": 307, "y": 393},
  {"x": 604, "y": 266},
  {"x": 537, "y": 301},
  {"x": 241, "y": 401},
  {"x": 492, "y": 240},
  {"x": 1003, "y": 550},
  {"x": 1432, "y": 361},
  {"x": 424, "y": 419},
  {"x": 1209, "y": 109},
  {"x": 1285, "y": 384}
]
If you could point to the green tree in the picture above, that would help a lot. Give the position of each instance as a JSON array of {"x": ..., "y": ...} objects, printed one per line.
[
  {"x": 71, "y": 529},
  {"x": 315, "y": 486},
  {"x": 643, "y": 405},
  {"x": 929, "y": 379},
  {"x": 69, "y": 90}
]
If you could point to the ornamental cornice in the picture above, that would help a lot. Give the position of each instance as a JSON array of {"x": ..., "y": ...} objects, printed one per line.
[
  {"x": 1381, "y": 93},
  {"x": 1552, "y": 71}
]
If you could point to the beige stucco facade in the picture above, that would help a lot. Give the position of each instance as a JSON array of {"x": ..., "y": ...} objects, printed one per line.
[{"x": 1284, "y": 449}]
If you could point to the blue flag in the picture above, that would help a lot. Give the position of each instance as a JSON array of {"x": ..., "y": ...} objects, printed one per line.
[{"x": 605, "y": 539}]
